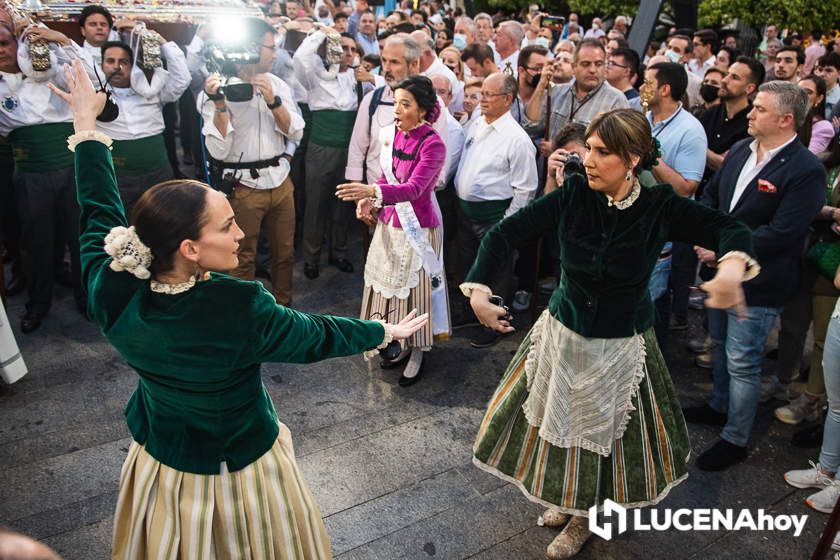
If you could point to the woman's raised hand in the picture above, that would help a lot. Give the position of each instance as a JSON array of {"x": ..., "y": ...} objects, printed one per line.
[
  {"x": 85, "y": 102},
  {"x": 409, "y": 325}
]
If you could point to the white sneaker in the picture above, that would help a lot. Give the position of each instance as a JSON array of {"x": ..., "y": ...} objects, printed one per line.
[
  {"x": 521, "y": 301},
  {"x": 800, "y": 409},
  {"x": 825, "y": 500},
  {"x": 808, "y": 478}
]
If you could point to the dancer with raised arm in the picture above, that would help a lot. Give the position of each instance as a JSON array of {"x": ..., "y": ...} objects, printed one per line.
[
  {"x": 586, "y": 410},
  {"x": 211, "y": 472}
]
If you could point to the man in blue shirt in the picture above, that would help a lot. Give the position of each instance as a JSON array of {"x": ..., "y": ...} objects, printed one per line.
[
  {"x": 366, "y": 37},
  {"x": 683, "y": 144}
]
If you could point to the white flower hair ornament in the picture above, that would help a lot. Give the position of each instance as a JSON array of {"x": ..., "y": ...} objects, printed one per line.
[{"x": 128, "y": 252}]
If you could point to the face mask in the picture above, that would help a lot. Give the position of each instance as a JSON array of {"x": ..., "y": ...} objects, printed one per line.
[
  {"x": 673, "y": 56},
  {"x": 542, "y": 42},
  {"x": 596, "y": 26},
  {"x": 709, "y": 92},
  {"x": 460, "y": 41},
  {"x": 534, "y": 80},
  {"x": 356, "y": 62}
]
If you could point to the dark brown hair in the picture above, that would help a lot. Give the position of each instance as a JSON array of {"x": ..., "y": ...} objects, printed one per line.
[
  {"x": 167, "y": 214},
  {"x": 626, "y": 133}
]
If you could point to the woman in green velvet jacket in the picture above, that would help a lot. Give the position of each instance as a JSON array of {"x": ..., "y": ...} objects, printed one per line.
[
  {"x": 211, "y": 471},
  {"x": 586, "y": 410}
]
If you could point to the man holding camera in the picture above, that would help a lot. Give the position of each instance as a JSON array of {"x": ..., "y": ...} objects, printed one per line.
[
  {"x": 136, "y": 124},
  {"x": 247, "y": 124}
]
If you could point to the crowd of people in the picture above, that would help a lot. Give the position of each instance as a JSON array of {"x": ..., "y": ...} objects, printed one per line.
[{"x": 485, "y": 159}]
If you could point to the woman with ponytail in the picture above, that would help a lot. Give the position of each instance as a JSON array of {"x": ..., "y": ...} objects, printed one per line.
[
  {"x": 211, "y": 472},
  {"x": 404, "y": 267},
  {"x": 586, "y": 410}
]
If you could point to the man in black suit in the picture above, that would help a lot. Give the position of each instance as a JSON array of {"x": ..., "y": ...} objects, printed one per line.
[{"x": 776, "y": 187}]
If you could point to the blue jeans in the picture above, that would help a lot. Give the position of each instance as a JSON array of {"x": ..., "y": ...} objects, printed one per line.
[
  {"x": 830, "y": 453},
  {"x": 658, "y": 284},
  {"x": 738, "y": 353}
]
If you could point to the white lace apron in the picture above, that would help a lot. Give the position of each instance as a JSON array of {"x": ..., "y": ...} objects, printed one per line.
[
  {"x": 580, "y": 389},
  {"x": 392, "y": 266}
]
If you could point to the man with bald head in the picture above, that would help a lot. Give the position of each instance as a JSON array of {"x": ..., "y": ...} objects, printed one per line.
[
  {"x": 507, "y": 40},
  {"x": 497, "y": 175},
  {"x": 431, "y": 65}
]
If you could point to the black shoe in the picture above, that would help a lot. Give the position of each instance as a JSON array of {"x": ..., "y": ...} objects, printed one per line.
[
  {"x": 342, "y": 264},
  {"x": 704, "y": 414},
  {"x": 408, "y": 381},
  {"x": 16, "y": 285},
  {"x": 772, "y": 354},
  {"x": 394, "y": 364},
  {"x": 810, "y": 436},
  {"x": 311, "y": 271},
  {"x": 721, "y": 456},
  {"x": 30, "y": 322},
  {"x": 485, "y": 339}
]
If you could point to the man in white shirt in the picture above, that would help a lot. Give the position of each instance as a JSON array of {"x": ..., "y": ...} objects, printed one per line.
[
  {"x": 96, "y": 25},
  {"x": 333, "y": 100},
  {"x": 246, "y": 139},
  {"x": 507, "y": 39},
  {"x": 36, "y": 123},
  {"x": 776, "y": 187},
  {"x": 139, "y": 153},
  {"x": 497, "y": 175},
  {"x": 704, "y": 47},
  {"x": 431, "y": 65}
]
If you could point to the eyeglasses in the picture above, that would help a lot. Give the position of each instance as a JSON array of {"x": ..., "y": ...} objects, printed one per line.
[
  {"x": 536, "y": 69},
  {"x": 610, "y": 64}
]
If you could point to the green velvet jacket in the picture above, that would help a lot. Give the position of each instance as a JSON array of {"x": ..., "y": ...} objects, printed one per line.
[
  {"x": 200, "y": 399},
  {"x": 607, "y": 255}
]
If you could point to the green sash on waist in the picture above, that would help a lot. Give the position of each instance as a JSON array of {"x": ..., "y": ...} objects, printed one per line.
[
  {"x": 485, "y": 210},
  {"x": 41, "y": 147},
  {"x": 332, "y": 128},
  {"x": 136, "y": 157}
]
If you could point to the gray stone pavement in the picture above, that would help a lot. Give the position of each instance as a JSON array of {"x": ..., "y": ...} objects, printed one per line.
[{"x": 390, "y": 467}]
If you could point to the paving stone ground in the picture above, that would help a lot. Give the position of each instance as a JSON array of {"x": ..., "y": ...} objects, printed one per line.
[{"x": 390, "y": 467}]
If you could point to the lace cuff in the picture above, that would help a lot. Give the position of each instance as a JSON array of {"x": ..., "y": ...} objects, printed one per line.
[
  {"x": 468, "y": 287},
  {"x": 386, "y": 340},
  {"x": 85, "y": 135},
  {"x": 377, "y": 198},
  {"x": 752, "y": 269}
]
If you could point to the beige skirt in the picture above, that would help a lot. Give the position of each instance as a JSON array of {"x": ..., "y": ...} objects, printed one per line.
[{"x": 264, "y": 511}]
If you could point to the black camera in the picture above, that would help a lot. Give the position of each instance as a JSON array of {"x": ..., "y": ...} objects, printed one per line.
[
  {"x": 223, "y": 58},
  {"x": 574, "y": 164}
]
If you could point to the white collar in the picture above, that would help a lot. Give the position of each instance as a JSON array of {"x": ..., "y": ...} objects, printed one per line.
[
  {"x": 179, "y": 288},
  {"x": 628, "y": 200},
  {"x": 770, "y": 154}
]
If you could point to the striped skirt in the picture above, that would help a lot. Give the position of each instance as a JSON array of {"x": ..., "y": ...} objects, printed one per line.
[
  {"x": 645, "y": 463},
  {"x": 394, "y": 309},
  {"x": 264, "y": 511}
]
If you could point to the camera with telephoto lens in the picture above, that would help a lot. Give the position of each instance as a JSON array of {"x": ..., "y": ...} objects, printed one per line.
[
  {"x": 574, "y": 164},
  {"x": 223, "y": 57}
]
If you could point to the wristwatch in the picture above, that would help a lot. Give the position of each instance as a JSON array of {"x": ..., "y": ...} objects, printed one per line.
[{"x": 276, "y": 103}]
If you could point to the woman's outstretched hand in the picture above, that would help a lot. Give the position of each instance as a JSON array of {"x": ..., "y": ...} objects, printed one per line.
[
  {"x": 85, "y": 102},
  {"x": 489, "y": 315},
  {"x": 354, "y": 191},
  {"x": 725, "y": 289},
  {"x": 409, "y": 325}
]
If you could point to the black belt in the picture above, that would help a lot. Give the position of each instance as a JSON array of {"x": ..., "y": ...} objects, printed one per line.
[{"x": 252, "y": 166}]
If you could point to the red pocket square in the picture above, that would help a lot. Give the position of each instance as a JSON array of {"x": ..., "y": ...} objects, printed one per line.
[{"x": 766, "y": 186}]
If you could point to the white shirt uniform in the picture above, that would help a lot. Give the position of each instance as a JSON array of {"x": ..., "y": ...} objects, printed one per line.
[
  {"x": 253, "y": 134},
  {"x": 454, "y": 144},
  {"x": 141, "y": 117},
  {"x": 325, "y": 90},
  {"x": 498, "y": 162},
  {"x": 438, "y": 68},
  {"x": 95, "y": 53}
]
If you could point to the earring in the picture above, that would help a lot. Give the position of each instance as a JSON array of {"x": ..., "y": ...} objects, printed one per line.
[{"x": 628, "y": 176}]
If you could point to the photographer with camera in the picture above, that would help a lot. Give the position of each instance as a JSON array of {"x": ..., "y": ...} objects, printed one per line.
[
  {"x": 324, "y": 65},
  {"x": 133, "y": 116},
  {"x": 248, "y": 118}
]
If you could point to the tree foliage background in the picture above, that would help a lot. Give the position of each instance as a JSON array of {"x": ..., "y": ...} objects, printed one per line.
[{"x": 799, "y": 15}]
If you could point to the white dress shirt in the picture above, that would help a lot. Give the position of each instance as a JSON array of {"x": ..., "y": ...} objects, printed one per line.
[
  {"x": 498, "y": 162},
  {"x": 513, "y": 60},
  {"x": 752, "y": 167},
  {"x": 253, "y": 133},
  {"x": 698, "y": 69},
  {"x": 325, "y": 90},
  {"x": 454, "y": 144},
  {"x": 140, "y": 117}
]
